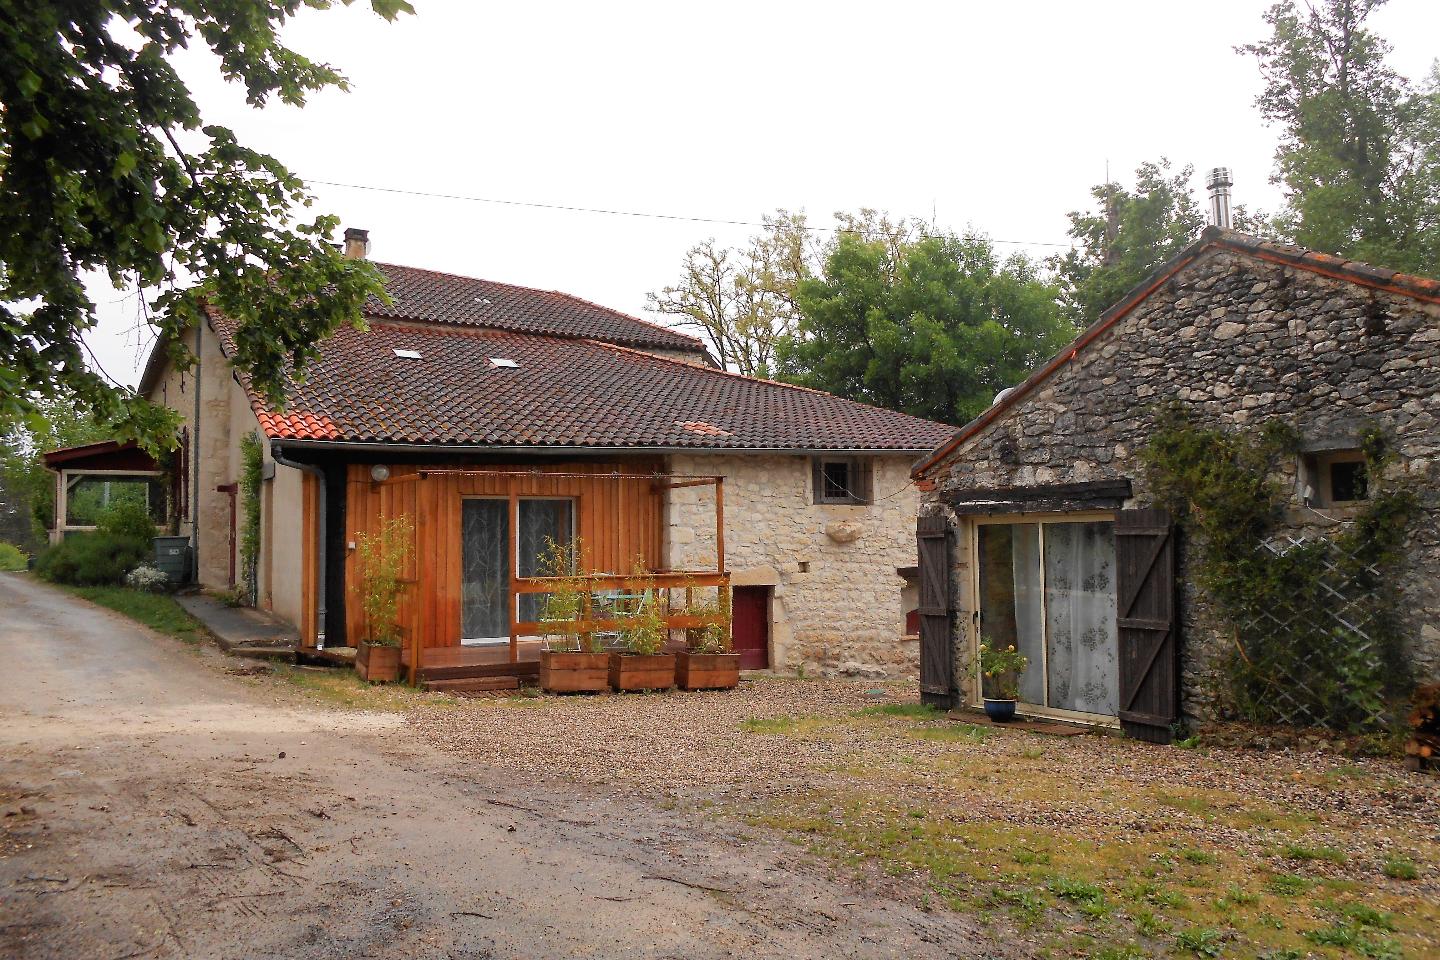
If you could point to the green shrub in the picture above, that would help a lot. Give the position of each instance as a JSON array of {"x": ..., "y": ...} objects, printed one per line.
[
  {"x": 127, "y": 520},
  {"x": 12, "y": 558},
  {"x": 91, "y": 559}
]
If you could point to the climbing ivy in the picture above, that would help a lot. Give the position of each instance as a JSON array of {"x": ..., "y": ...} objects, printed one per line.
[
  {"x": 252, "y": 461},
  {"x": 1295, "y": 648}
]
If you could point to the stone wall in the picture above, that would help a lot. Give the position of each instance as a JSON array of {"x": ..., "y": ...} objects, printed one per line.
[
  {"x": 837, "y": 597},
  {"x": 225, "y": 414},
  {"x": 1238, "y": 341}
]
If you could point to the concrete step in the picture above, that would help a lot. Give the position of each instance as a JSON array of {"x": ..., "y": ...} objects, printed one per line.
[{"x": 286, "y": 653}]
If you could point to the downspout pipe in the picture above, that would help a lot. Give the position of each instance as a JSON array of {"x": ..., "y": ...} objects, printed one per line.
[
  {"x": 322, "y": 583},
  {"x": 195, "y": 458}
]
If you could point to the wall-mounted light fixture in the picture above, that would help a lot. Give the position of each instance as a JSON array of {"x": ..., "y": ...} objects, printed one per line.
[{"x": 379, "y": 473}]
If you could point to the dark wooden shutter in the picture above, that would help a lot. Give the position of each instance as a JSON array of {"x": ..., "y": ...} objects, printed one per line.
[
  {"x": 936, "y": 659},
  {"x": 1149, "y": 628}
]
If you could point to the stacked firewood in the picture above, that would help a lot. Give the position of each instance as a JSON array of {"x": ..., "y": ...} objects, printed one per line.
[{"x": 1423, "y": 750}]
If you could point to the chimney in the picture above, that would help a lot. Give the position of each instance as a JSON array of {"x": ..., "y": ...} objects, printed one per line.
[
  {"x": 1218, "y": 182},
  {"x": 357, "y": 243}
]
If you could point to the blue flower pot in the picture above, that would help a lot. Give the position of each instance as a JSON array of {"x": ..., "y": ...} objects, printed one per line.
[{"x": 1000, "y": 711}]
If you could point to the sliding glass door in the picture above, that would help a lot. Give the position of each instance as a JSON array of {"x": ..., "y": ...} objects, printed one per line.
[
  {"x": 484, "y": 570},
  {"x": 1048, "y": 587},
  {"x": 486, "y": 566}
]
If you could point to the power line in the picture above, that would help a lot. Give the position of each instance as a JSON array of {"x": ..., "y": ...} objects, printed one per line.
[{"x": 567, "y": 208}]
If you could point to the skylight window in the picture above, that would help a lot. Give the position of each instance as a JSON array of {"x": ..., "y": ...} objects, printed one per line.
[
  {"x": 407, "y": 354},
  {"x": 503, "y": 362}
]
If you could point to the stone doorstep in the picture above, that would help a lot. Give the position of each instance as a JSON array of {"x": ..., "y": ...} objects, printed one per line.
[
  {"x": 1049, "y": 727},
  {"x": 242, "y": 631}
]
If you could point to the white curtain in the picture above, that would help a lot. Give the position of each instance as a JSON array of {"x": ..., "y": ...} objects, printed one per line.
[{"x": 1080, "y": 617}]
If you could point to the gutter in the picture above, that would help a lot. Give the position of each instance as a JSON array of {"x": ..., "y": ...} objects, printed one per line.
[
  {"x": 570, "y": 451},
  {"x": 322, "y": 584}
]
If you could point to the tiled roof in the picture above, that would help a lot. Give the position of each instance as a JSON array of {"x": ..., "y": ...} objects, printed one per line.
[
  {"x": 562, "y": 393},
  {"x": 424, "y": 295},
  {"x": 1423, "y": 289}
]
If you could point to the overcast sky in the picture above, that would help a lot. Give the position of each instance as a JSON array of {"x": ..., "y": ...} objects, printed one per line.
[{"x": 993, "y": 116}]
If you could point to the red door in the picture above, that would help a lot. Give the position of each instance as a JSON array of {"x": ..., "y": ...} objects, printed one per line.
[{"x": 750, "y": 627}]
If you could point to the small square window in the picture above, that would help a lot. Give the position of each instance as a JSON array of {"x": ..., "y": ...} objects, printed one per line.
[
  {"x": 841, "y": 480},
  {"x": 1334, "y": 478}
]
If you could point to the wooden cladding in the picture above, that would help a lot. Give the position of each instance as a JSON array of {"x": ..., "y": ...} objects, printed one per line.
[{"x": 618, "y": 520}]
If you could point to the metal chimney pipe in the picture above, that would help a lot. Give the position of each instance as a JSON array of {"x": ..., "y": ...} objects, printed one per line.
[
  {"x": 1218, "y": 182},
  {"x": 357, "y": 243}
]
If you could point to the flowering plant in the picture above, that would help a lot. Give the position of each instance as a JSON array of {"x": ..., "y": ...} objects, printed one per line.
[
  {"x": 147, "y": 578},
  {"x": 1000, "y": 669}
]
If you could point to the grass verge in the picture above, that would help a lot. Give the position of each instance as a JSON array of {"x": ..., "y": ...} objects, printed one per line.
[
  {"x": 1098, "y": 867},
  {"x": 156, "y": 610},
  {"x": 342, "y": 688}
]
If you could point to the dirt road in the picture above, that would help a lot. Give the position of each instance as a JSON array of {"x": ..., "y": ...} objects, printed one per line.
[{"x": 155, "y": 807}]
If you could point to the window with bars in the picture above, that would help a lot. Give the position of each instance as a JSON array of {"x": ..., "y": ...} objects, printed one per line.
[{"x": 842, "y": 480}]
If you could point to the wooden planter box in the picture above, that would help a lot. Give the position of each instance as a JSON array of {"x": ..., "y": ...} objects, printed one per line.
[
  {"x": 707, "y": 671},
  {"x": 572, "y": 672},
  {"x": 377, "y": 664},
  {"x": 651, "y": 672}
]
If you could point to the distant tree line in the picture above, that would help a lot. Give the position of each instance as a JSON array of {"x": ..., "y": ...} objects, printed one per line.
[{"x": 905, "y": 315}]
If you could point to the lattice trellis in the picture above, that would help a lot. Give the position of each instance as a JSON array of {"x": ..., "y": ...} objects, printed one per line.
[{"x": 1313, "y": 658}]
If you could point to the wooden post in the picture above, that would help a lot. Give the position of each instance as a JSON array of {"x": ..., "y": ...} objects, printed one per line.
[
  {"x": 720, "y": 524},
  {"x": 510, "y": 601}
]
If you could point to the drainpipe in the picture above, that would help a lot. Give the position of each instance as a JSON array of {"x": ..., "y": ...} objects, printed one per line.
[
  {"x": 195, "y": 460},
  {"x": 322, "y": 534}
]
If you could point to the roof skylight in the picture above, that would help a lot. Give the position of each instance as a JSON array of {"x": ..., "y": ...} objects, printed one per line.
[
  {"x": 503, "y": 362},
  {"x": 407, "y": 354}
]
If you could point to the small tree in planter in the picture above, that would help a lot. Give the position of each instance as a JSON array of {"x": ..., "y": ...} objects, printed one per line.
[
  {"x": 571, "y": 660},
  {"x": 640, "y": 664},
  {"x": 707, "y": 662},
  {"x": 1000, "y": 671},
  {"x": 382, "y": 557}
]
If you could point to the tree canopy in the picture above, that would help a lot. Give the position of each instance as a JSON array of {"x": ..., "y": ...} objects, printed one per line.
[
  {"x": 931, "y": 325},
  {"x": 1359, "y": 152},
  {"x": 106, "y": 165},
  {"x": 742, "y": 300},
  {"x": 1126, "y": 237}
]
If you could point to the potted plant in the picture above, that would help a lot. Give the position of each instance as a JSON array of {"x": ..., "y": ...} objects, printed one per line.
[
  {"x": 639, "y": 664},
  {"x": 1000, "y": 670},
  {"x": 707, "y": 662},
  {"x": 382, "y": 557},
  {"x": 572, "y": 660}
]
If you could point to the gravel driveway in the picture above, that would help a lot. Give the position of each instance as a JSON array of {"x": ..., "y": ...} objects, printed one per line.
[
  {"x": 1066, "y": 844},
  {"x": 152, "y": 806}
]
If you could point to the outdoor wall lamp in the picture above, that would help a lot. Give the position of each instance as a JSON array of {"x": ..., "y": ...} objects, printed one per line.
[{"x": 379, "y": 473}]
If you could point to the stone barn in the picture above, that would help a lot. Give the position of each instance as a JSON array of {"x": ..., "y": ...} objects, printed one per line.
[{"x": 1036, "y": 524}]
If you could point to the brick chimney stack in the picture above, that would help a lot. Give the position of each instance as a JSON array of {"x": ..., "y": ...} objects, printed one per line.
[{"x": 357, "y": 243}]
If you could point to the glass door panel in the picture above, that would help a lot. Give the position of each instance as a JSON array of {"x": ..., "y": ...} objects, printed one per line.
[
  {"x": 1049, "y": 589},
  {"x": 541, "y": 522},
  {"x": 1082, "y": 640},
  {"x": 1010, "y": 598},
  {"x": 485, "y": 571}
]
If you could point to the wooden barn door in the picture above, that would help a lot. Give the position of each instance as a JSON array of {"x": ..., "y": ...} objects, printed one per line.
[
  {"x": 1148, "y": 626},
  {"x": 936, "y": 657}
]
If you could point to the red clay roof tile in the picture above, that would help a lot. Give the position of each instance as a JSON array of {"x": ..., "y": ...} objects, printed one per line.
[
  {"x": 431, "y": 297},
  {"x": 563, "y": 393}
]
